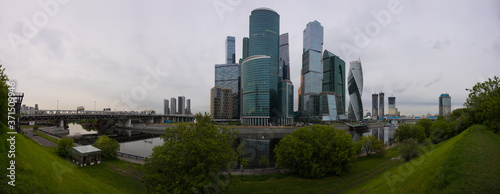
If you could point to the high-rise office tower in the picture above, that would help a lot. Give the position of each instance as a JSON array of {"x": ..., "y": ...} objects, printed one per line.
[
  {"x": 312, "y": 69},
  {"x": 355, "y": 87},
  {"x": 230, "y": 50},
  {"x": 259, "y": 78},
  {"x": 36, "y": 106},
  {"x": 181, "y": 101},
  {"x": 166, "y": 109},
  {"x": 284, "y": 62},
  {"x": 445, "y": 105},
  {"x": 228, "y": 76},
  {"x": 375, "y": 106},
  {"x": 173, "y": 106},
  {"x": 221, "y": 102},
  {"x": 332, "y": 99},
  {"x": 381, "y": 105},
  {"x": 285, "y": 94},
  {"x": 392, "y": 106},
  {"x": 188, "y": 106}
]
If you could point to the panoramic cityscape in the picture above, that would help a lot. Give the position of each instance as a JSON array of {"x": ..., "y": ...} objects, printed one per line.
[{"x": 250, "y": 97}]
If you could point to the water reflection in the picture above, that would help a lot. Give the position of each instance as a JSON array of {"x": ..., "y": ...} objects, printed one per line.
[
  {"x": 77, "y": 129},
  {"x": 382, "y": 133},
  {"x": 142, "y": 148}
]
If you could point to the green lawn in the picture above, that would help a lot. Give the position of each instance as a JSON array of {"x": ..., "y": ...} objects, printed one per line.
[
  {"x": 467, "y": 163},
  {"x": 40, "y": 170}
]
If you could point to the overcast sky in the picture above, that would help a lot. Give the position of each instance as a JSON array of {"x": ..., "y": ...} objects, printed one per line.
[{"x": 138, "y": 53}]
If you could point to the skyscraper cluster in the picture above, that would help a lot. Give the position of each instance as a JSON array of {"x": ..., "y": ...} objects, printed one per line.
[
  {"x": 260, "y": 83},
  {"x": 177, "y": 106}
]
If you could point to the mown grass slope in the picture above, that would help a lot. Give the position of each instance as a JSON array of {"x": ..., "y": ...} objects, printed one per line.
[{"x": 40, "y": 170}]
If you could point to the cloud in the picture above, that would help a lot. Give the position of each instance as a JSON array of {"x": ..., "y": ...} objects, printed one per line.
[{"x": 440, "y": 44}]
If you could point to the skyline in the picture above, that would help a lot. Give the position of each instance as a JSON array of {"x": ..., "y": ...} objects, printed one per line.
[{"x": 85, "y": 53}]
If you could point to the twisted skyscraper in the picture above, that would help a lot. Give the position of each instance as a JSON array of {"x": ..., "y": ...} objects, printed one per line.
[{"x": 355, "y": 87}]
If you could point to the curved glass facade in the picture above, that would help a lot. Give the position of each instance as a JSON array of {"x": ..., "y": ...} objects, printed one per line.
[
  {"x": 355, "y": 87},
  {"x": 259, "y": 78}
]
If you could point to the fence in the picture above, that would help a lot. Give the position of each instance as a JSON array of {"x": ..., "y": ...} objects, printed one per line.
[{"x": 131, "y": 156}]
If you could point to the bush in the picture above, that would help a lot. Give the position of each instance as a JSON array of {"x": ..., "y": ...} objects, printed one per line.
[
  {"x": 372, "y": 144},
  {"x": 35, "y": 127},
  {"x": 64, "y": 146},
  {"x": 419, "y": 133},
  {"x": 316, "y": 152},
  {"x": 409, "y": 149},
  {"x": 108, "y": 146},
  {"x": 438, "y": 135}
]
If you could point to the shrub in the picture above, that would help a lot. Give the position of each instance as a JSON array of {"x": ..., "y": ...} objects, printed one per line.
[
  {"x": 108, "y": 146},
  {"x": 409, "y": 149},
  {"x": 35, "y": 127},
  {"x": 64, "y": 146},
  {"x": 407, "y": 131},
  {"x": 419, "y": 133}
]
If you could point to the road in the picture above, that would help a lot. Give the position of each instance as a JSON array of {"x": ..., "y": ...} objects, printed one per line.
[{"x": 42, "y": 141}]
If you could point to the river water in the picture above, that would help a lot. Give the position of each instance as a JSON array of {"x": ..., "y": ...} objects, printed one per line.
[{"x": 144, "y": 148}]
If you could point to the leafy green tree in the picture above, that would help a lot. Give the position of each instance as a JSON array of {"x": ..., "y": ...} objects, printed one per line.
[
  {"x": 440, "y": 131},
  {"x": 426, "y": 123},
  {"x": 108, "y": 146},
  {"x": 483, "y": 103},
  {"x": 404, "y": 131},
  {"x": 191, "y": 158},
  {"x": 64, "y": 146},
  {"x": 316, "y": 152},
  {"x": 35, "y": 128},
  {"x": 419, "y": 133},
  {"x": 372, "y": 144},
  {"x": 4, "y": 96},
  {"x": 409, "y": 149}
]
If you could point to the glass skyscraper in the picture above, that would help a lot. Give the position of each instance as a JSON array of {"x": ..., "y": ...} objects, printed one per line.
[
  {"x": 166, "y": 109},
  {"x": 355, "y": 87},
  {"x": 227, "y": 76},
  {"x": 445, "y": 105},
  {"x": 173, "y": 106},
  {"x": 230, "y": 50},
  {"x": 259, "y": 78},
  {"x": 312, "y": 69},
  {"x": 381, "y": 106},
  {"x": 333, "y": 87},
  {"x": 392, "y": 106},
  {"x": 182, "y": 105},
  {"x": 284, "y": 63}
]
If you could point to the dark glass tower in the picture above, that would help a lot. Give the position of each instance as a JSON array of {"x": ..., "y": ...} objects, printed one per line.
[
  {"x": 259, "y": 79},
  {"x": 284, "y": 63},
  {"x": 230, "y": 50},
  {"x": 375, "y": 106},
  {"x": 333, "y": 87},
  {"x": 381, "y": 105}
]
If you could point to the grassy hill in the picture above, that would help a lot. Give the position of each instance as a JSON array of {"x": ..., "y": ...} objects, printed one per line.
[
  {"x": 40, "y": 170},
  {"x": 467, "y": 162}
]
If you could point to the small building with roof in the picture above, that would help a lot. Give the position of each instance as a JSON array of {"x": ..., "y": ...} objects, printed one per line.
[{"x": 86, "y": 155}]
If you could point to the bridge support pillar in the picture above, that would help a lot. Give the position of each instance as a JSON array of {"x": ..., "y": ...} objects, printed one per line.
[
  {"x": 152, "y": 120},
  {"x": 162, "y": 120},
  {"x": 128, "y": 123},
  {"x": 60, "y": 123}
]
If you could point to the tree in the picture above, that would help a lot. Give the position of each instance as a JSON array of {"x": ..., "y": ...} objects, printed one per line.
[
  {"x": 4, "y": 96},
  {"x": 440, "y": 131},
  {"x": 108, "y": 146},
  {"x": 264, "y": 163},
  {"x": 407, "y": 131},
  {"x": 191, "y": 158},
  {"x": 372, "y": 144},
  {"x": 64, "y": 146},
  {"x": 409, "y": 149},
  {"x": 426, "y": 123},
  {"x": 483, "y": 103},
  {"x": 316, "y": 152},
  {"x": 35, "y": 128}
]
